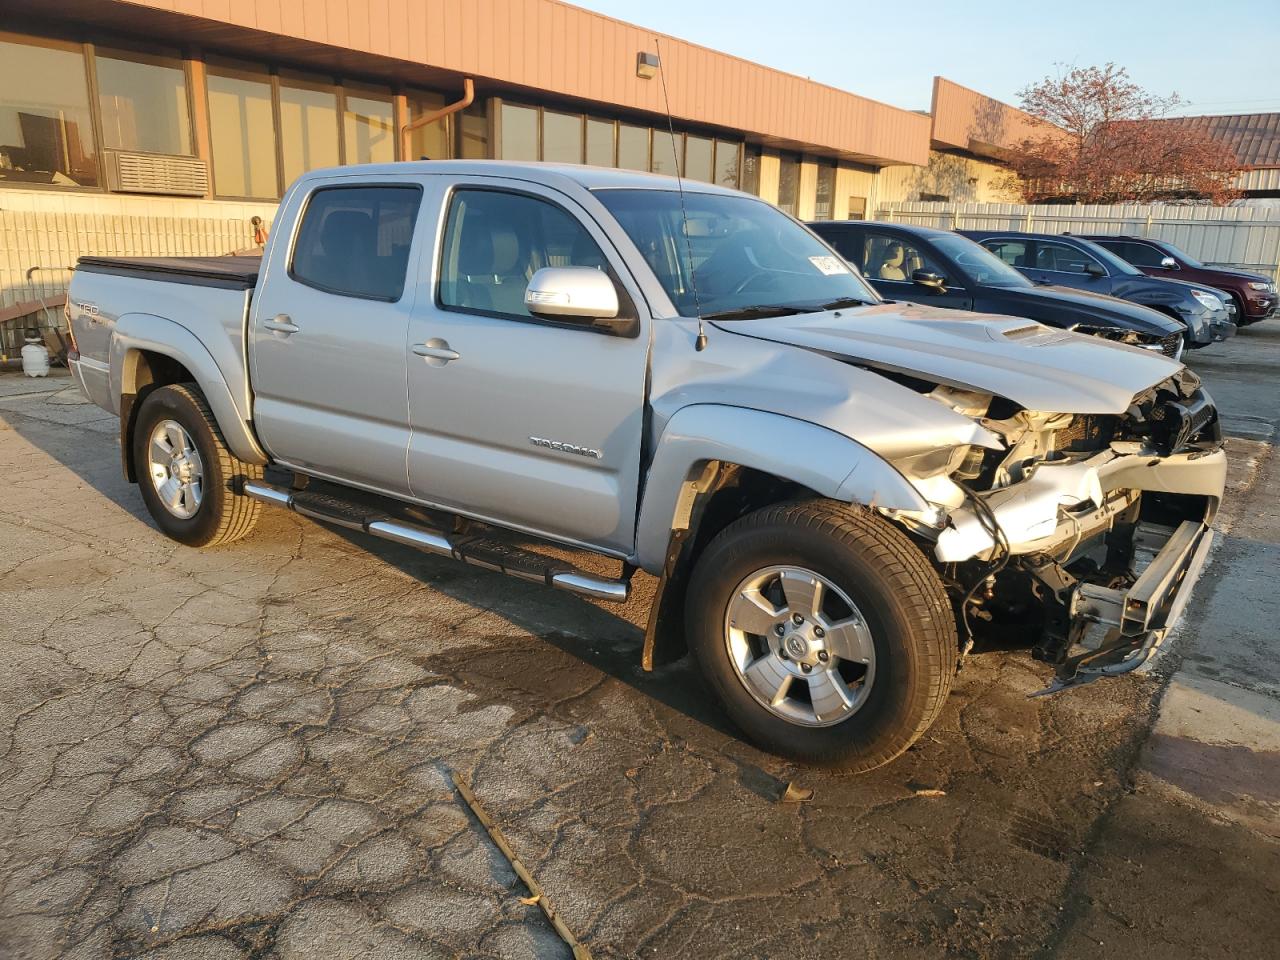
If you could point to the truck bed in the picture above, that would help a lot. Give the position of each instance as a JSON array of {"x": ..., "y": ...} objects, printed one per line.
[{"x": 229, "y": 273}]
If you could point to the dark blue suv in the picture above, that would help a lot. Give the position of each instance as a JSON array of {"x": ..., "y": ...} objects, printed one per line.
[{"x": 1069, "y": 261}]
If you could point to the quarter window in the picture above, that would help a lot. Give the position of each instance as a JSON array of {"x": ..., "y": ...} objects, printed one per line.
[
  {"x": 495, "y": 242},
  {"x": 354, "y": 241}
]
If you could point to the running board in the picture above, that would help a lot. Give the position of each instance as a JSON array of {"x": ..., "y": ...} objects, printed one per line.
[{"x": 478, "y": 551}]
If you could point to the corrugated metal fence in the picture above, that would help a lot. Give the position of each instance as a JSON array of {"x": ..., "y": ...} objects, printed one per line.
[
  {"x": 1243, "y": 237},
  {"x": 53, "y": 241}
]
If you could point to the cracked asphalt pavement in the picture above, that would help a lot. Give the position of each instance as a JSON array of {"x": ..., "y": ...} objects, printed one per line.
[{"x": 246, "y": 752}]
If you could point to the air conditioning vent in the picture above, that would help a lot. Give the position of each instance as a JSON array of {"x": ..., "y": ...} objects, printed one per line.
[{"x": 156, "y": 173}]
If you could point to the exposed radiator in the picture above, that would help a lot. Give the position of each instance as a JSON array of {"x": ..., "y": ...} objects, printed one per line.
[{"x": 156, "y": 173}]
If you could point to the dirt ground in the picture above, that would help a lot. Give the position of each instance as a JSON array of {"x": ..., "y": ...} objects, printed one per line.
[{"x": 247, "y": 751}]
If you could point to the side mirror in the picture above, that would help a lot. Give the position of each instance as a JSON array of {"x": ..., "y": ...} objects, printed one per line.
[
  {"x": 927, "y": 278},
  {"x": 574, "y": 295},
  {"x": 1094, "y": 270},
  {"x": 1168, "y": 263}
]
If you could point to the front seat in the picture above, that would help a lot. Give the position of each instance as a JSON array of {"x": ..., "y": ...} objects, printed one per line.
[{"x": 891, "y": 268}]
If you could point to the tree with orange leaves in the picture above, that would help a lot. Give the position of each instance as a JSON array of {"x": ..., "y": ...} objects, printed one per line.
[{"x": 1104, "y": 139}]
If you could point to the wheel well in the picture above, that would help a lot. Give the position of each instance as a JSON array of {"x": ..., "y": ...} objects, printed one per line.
[
  {"x": 726, "y": 492},
  {"x": 144, "y": 371}
]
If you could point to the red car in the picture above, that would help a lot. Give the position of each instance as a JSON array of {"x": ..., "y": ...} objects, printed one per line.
[{"x": 1254, "y": 294}]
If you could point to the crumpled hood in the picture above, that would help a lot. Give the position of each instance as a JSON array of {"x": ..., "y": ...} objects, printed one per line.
[{"x": 1038, "y": 367}]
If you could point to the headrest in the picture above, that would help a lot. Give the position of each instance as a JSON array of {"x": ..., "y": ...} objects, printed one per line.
[{"x": 346, "y": 231}]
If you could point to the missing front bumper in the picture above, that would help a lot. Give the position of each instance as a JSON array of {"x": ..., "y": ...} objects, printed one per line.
[{"x": 1140, "y": 617}]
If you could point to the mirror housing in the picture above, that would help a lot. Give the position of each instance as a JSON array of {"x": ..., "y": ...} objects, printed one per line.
[
  {"x": 582, "y": 295},
  {"x": 927, "y": 278},
  {"x": 1168, "y": 263},
  {"x": 1094, "y": 270}
]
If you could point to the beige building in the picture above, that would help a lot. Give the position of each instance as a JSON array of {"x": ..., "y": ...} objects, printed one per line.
[{"x": 163, "y": 126}]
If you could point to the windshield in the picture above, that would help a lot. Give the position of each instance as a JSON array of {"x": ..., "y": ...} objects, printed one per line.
[
  {"x": 737, "y": 256},
  {"x": 1113, "y": 262},
  {"x": 981, "y": 265}
]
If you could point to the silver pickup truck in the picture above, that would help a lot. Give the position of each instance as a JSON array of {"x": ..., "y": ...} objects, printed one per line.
[{"x": 838, "y": 494}]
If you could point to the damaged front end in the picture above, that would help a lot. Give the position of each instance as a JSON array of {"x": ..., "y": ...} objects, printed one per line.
[{"x": 1083, "y": 536}]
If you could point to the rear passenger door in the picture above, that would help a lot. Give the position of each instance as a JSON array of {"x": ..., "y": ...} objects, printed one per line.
[
  {"x": 527, "y": 422},
  {"x": 328, "y": 335}
]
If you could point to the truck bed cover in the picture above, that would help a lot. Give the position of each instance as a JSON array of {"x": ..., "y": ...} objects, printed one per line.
[{"x": 232, "y": 273}]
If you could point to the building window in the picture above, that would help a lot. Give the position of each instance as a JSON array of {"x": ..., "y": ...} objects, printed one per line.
[
  {"x": 751, "y": 170},
  {"x": 308, "y": 127},
  {"x": 369, "y": 128},
  {"x": 242, "y": 127},
  {"x": 143, "y": 103},
  {"x": 857, "y": 208},
  {"x": 600, "y": 143},
  {"x": 473, "y": 132},
  {"x": 824, "y": 196},
  {"x": 633, "y": 147},
  {"x": 788, "y": 183},
  {"x": 430, "y": 142},
  {"x": 46, "y": 133},
  {"x": 519, "y": 137},
  {"x": 667, "y": 155},
  {"x": 697, "y": 158},
  {"x": 561, "y": 137},
  {"x": 728, "y": 164}
]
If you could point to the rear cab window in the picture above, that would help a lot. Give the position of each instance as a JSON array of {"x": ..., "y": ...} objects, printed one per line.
[{"x": 354, "y": 241}]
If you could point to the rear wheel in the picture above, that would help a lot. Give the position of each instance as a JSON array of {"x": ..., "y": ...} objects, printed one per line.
[
  {"x": 185, "y": 472},
  {"x": 824, "y": 632}
]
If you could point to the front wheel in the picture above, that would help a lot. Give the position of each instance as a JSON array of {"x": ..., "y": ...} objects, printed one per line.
[
  {"x": 185, "y": 471},
  {"x": 824, "y": 632}
]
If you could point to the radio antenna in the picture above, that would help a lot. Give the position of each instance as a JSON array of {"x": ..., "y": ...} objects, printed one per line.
[{"x": 701, "y": 343}]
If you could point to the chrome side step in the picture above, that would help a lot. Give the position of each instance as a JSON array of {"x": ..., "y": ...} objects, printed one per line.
[{"x": 484, "y": 552}]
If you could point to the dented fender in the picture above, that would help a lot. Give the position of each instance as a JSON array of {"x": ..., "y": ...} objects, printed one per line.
[{"x": 827, "y": 462}]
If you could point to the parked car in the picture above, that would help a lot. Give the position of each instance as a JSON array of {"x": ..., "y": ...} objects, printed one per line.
[
  {"x": 943, "y": 269},
  {"x": 483, "y": 359},
  {"x": 1254, "y": 294},
  {"x": 1073, "y": 262}
]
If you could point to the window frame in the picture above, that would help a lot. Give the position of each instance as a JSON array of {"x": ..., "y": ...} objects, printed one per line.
[
  {"x": 626, "y": 303},
  {"x": 362, "y": 185},
  {"x": 235, "y": 70}
]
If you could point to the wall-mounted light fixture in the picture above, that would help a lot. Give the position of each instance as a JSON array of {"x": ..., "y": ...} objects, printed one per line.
[{"x": 647, "y": 65}]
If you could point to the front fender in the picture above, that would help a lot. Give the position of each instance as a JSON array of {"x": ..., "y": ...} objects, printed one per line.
[
  {"x": 144, "y": 331},
  {"x": 826, "y": 462}
]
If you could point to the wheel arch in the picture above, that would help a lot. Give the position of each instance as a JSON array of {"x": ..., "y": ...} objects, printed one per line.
[
  {"x": 714, "y": 464},
  {"x": 149, "y": 352}
]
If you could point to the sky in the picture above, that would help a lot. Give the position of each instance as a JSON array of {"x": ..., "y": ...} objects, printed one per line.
[{"x": 1222, "y": 56}]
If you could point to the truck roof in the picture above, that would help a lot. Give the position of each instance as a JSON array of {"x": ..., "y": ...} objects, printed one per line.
[{"x": 590, "y": 178}]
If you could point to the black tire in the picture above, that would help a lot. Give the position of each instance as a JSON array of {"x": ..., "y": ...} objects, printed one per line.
[
  {"x": 898, "y": 595},
  {"x": 222, "y": 515}
]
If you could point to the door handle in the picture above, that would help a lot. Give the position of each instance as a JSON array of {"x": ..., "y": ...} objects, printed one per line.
[
  {"x": 436, "y": 352},
  {"x": 281, "y": 324}
]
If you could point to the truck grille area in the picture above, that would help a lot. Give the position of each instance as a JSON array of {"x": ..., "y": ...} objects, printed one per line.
[
  {"x": 1171, "y": 345},
  {"x": 1085, "y": 434}
]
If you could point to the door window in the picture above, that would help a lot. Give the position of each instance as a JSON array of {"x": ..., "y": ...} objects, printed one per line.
[
  {"x": 1139, "y": 254},
  {"x": 888, "y": 257},
  {"x": 1012, "y": 252},
  {"x": 354, "y": 241},
  {"x": 495, "y": 242},
  {"x": 1063, "y": 258}
]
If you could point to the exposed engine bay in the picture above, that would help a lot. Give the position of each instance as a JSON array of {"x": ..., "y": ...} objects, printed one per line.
[{"x": 1076, "y": 533}]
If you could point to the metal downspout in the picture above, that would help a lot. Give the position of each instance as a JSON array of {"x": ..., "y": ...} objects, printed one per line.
[{"x": 468, "y": 97}]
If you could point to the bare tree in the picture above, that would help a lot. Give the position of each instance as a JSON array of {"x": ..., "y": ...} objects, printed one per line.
[{"x": 1103, "y": 139}]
